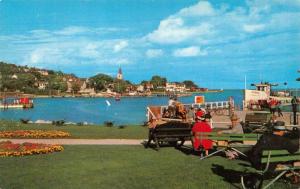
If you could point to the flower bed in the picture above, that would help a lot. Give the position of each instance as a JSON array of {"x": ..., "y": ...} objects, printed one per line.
[
  {"x": 7, "y": 148},
  {"x": 33, "y": 134}
]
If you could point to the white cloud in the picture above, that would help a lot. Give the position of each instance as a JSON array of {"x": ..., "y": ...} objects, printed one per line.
[
  {"x": 90, "y": 50},
  {"x": 120, "y": 45},
  {"x": 203, "y": 8},
  {"x": 153, "y": 53},
  {"x": 189, "y": 52},
  {"x": 35, "y": 56},
  {"x": 226, "y": 31},
  {"x": 251, "y": 28},
  {"x": 174, "y": 30},
  {"x": 72, "y": 30}
]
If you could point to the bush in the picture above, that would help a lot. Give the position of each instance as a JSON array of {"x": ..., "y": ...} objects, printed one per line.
[
  {"x": 58, "y": 123},
  {"x": 108, "y": 123},
  {"x": 24, "y": 121},
  {"x": 122, "y": 126}
]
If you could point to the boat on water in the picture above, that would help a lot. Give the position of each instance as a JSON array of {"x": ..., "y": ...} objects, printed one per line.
[
  {"x": 117, "y": 97},
  {"x": 258, "y": 98},
  {"x": 23, "y": 102}
]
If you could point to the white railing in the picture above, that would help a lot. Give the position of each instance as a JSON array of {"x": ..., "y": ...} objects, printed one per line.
[{"x": 214, "y": 105}]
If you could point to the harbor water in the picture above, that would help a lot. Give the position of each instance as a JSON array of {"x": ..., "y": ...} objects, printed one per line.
[{"x": 129, "y": 110}]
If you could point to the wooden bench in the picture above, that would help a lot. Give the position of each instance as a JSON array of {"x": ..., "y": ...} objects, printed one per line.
[
  {"x": 235, "y": 142},
  {"x": 256, "y": 122},
  {"x": 171, "y": 133},
  {"x": 286, "y": 163}
]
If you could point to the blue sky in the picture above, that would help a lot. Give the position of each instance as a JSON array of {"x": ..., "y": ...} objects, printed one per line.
[{"x": 214, "y": 43}]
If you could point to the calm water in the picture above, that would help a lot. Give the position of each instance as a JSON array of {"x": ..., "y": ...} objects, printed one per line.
[{"x": 130, "y": 110}]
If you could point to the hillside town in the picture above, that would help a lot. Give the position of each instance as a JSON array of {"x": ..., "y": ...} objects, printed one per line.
[{"x": 42, "y": 82}]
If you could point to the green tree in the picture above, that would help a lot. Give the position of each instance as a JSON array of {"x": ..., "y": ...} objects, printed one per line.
[
  {"x": 144, "y": 82},
  {"x": 56, "y": 83},
  {"x": 75, "y": 87},
  {"x": 121, "y": 85},
  {"x": 158, "y": 81},
  {"x": 190, "y": 84},
  {"x": 100, "y": 81}
]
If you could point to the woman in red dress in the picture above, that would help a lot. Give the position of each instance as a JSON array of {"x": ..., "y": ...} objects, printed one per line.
[{"x": 199, "y": 129}]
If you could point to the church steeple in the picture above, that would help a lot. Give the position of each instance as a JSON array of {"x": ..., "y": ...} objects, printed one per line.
[{"x": 120, "y": 74}]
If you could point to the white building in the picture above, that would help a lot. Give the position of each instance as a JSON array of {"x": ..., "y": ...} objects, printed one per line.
[
  {"x": 84, "y": 90},
  {"x": 175, "y": 87},
  {"x": 42, "y": 85},
  {"x": 140, "y": 88},
  {"x": 43, "y": 72}
]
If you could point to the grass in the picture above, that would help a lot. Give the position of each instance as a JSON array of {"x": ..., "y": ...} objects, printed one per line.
[
  {"x": 120, "y": 167},
  {"x": 83, "y": 132}
]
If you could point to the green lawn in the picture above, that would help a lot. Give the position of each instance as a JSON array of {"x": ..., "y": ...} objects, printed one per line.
[
  {"x": 88, "y": 132},
  {"x": 120, "y": 167}
]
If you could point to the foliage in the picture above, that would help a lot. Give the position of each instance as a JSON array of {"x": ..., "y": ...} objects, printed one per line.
[
  {"x": 75, "y": 87},
  {"x": 100, "y": 81},
  {"x": 120, "y": 86},
  {"x": 190, "y": 84},
  {"x": 144, "y": 82},
  {"x": 28, "y": 78},
  {"x": 56, "y": 83},
  {"x": 158, "y": 81}
]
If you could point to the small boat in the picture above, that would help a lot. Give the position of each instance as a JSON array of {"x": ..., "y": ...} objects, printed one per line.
[
  {"x": 118, "y": 97},
  {"x": 258, "y": 98},
  {"x": 24, "y": 103}
]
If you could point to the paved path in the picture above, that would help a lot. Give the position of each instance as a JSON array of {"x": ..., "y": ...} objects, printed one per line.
[{"x": 80, "y": 141}]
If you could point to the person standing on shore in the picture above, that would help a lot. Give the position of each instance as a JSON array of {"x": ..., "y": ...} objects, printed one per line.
[
  {"x": 190, "y": 115},
  {"x": 279, "y": 109},
  {"x": 294, "y": 109},
  {"x": 272, "y": 105},
  {"x": 171, "y": 107}
]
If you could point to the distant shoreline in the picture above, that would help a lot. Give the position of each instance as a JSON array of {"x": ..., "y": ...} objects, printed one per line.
[{"x": 154, "y": 94}]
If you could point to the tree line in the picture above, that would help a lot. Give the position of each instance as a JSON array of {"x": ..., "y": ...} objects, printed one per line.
[{"x": 27, "y": 79}]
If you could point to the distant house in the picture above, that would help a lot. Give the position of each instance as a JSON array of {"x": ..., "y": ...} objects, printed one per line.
[
  {"x": 203, "y": 89},
  {"x": 43, "y": 72},
  {"x": 42, "y": 85},
  {"x": 140, "y": 88},
  {"x": 14, "y": 76},
  {"x": 71, "y": 80},
  {"x": 69, "y": 86},
  {"x": 85, "y": 90},
  {"x": 148, "y": 86},
  {"x": 175, "y": 87}
]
